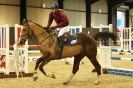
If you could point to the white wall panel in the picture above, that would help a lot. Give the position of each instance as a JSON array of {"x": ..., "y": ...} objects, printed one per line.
[
  {"x": 77, "y": 18},
  {"x": 39, "y": 3},
  {"x": 99, "y": 5},
  {"x": 38, "y": 15},
  {"x": 74, "y": 4},
  {"x": 34, "y": 14},
  {"x": 98, "y": 19},
  {"x": 9, "y": 1},
  {"x": 9, "y": 15},
  {"x": 34, "y": 2},
  {"x": 131, "y": 18}
]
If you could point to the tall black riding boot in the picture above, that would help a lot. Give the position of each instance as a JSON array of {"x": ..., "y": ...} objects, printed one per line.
[{"x": 60, "y": 44}]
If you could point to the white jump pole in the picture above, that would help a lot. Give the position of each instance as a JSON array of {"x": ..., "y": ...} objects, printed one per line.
[
  {"x": 25, "y": 48},
  {"x": 105, "y": 56},
  {"x": 126, "y": 39},
  {"x": 7, "y": 49}
]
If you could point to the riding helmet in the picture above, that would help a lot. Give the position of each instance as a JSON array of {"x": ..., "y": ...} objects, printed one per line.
[{"x": 54, "y": 5}]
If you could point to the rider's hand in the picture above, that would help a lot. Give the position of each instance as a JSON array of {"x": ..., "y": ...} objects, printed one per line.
[
  {"x": 53, "y": 27},
  {"x": 47, "y": 29}
]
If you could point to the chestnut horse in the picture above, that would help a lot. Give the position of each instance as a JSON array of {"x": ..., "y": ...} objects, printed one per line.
[{"x": 86, "y": 46}]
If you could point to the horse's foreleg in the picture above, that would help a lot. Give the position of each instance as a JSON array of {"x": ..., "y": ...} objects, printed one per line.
[
  {"x": 36, "y": 66},
  {"x": 44, "y": 62},
  {"x": 76, "y": 64},
  {"x": 38, "y": 62}
]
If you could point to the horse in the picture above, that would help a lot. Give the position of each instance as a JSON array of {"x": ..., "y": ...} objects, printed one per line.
[{"x": 86, "y": 46}]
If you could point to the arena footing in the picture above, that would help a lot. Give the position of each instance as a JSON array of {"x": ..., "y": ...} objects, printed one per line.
[{"x": 13, "y": 75}]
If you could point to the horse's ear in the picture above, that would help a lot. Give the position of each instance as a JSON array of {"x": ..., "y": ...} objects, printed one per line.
[{"x": 24, "y": 21}]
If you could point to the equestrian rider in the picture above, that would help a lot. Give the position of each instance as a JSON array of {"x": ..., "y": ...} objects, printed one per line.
[{"x": 62, "y": 22}]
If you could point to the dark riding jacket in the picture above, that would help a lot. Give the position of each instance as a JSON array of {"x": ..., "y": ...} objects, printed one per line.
[{"x": 60, "y": 18}]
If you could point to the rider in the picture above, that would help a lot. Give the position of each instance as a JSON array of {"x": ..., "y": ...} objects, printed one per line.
[{"x": 62, "y": 22}]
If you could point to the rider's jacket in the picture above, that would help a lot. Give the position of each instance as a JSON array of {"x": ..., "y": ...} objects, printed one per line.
[{"x": 60, "y": 18}]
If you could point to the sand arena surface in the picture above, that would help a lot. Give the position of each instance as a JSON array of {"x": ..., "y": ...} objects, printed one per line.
[{"x": 83, "y": 79}]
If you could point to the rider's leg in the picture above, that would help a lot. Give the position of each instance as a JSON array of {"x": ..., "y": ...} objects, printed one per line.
[
  {"x": 60, "y": 41},
  {"x": 66, "y": 36},
  {"x": 60, "y": 38}
]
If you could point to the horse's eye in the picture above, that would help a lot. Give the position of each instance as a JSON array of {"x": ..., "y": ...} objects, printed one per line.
[{"x": 24, "y": 30}]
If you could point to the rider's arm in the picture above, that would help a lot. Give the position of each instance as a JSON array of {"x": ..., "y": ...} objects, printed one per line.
[{"x": 50, "y": 20}]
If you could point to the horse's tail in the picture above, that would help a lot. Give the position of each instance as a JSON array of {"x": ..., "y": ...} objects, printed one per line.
[
  {"x": 104, "y": 36},
  {"x": 84, "y": 39}
]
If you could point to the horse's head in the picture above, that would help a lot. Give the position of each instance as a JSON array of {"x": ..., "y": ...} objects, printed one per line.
[{"x": 25, "y": 32}]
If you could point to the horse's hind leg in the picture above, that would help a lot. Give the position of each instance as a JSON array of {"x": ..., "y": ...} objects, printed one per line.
[
  {"x": 96, "y": 65},
  {"x": 76, "y": 64}
]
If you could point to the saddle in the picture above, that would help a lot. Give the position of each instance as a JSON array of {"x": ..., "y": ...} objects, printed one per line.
[{"x": 70, "y": 40}]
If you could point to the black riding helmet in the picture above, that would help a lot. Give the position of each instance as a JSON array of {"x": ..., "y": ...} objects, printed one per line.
[{"x": 54, "y": 5}]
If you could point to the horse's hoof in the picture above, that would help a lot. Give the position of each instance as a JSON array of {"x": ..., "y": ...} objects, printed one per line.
[
  {"x": 121, "y": 53},
  {"x": 97, "y": 82},
  {"x": 35, "y": 78},
  {"x": 82, "y": 62},
  {"x": 67, "y": 62},
  {"x": 53, "y": 76},
  {"x": 65, "y": 83},
  {"x": 94, "y": 70}
]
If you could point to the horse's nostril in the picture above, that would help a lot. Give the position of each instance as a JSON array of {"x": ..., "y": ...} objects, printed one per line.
[{"x": 21, "y": 42}]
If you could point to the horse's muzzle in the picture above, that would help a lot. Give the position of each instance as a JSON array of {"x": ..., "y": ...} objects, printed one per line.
[{"x": 22, "y": 42}]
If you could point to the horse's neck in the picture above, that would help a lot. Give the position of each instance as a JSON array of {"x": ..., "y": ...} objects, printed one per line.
[{"x": 40, "y": 34}]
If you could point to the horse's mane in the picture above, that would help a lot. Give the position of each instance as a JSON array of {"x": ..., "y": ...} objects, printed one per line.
[
  {"x": 50, "y": 31},
  {"x": 35, "y": 23}
]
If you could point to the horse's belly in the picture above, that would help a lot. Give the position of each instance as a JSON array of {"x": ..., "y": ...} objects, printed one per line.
[{"x": 70, "y": 51}]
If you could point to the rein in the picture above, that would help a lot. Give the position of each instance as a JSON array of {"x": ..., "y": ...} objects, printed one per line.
[{"x": 46, "y": 38}]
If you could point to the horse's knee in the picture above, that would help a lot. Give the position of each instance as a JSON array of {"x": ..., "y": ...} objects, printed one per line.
[
  {"x": 38, "y": 61},
  {"x": 41, "y": 67}
]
